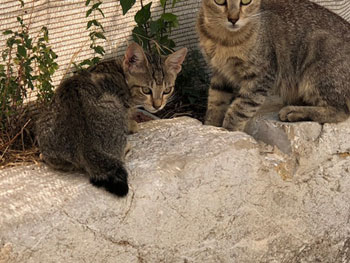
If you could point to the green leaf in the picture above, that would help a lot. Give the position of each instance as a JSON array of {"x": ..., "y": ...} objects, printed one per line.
[
  {"x": 99, "y": 50},
  {"x": 95, "y": 60},
  {"x": 46, "y": 33},
  {"x": 154, "y": 27},
  {"x": 99, "y": 35},
  {"x": 98, "y": 9},
  {"x": 163, "y": 2},
  {"x": 7, "y": 32},
  {"x": 4, "y": 54},
  {"x": 87, "y": 2},
  {"x": 168, "y": 17},
  {"x": 171, "y": 44},
  {"x": 92, "y": 22},
  {"x": 28, "y": 43},
  {"x": 95, "y": 6},
  {"x": 89, "y": 12},
  {"x": 85, "y": 62},
  {"x": 22, "y": 51},
  {"x": 174, "y": 2},
  {"x": 89, "y": 24},
  {"x": 140, "y": 36},
  {"x": 127, "y": 5},
  {"x": 143, "y": 15},
  {"x": 101, "y": 27},
  {"x": 165, "y": 41}
]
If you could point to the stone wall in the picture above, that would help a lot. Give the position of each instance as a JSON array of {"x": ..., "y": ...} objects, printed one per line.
[{"x": 197, "y": 194}]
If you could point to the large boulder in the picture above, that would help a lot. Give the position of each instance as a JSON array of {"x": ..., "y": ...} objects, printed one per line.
[{"x": 197, "y": 194}]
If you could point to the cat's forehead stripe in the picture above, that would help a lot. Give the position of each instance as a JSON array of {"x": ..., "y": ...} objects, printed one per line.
[{"x": 156, "y": 68}]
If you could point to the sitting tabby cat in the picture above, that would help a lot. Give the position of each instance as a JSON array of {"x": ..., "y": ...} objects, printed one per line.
[
  {"x": 293, "y": 47},
  {"x": 88, "y": 120}
]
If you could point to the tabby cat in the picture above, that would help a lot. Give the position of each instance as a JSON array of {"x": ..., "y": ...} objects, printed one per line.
[
  {"x": 256, "y": 48},
  {"x": 87, "y": 123}
]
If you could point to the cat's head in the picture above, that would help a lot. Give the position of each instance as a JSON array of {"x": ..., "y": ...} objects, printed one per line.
[
  {"x": 151, "y": 78},
  {"x": 223, "y": 19}
]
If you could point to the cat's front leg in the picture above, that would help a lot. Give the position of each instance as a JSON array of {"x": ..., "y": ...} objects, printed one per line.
[
  {"x": 133, "y": 126},
  {"x": 249, "y": 100},
  {"x": 220, "y": 97}
]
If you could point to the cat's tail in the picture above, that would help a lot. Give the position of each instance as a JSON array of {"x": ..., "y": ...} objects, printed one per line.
[{"x": 116, "y": 182}]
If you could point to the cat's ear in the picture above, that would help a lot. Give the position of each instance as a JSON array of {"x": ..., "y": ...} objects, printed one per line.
[
  {"x": 134, "y": 59},
  {"x": 174, "y": 61}
]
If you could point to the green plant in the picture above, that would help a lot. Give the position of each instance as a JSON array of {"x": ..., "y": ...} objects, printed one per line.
[
  {"x": 96, "y": 33},
  {"x": 153, "y": 33},
  {"x": 28, "y": 65}
]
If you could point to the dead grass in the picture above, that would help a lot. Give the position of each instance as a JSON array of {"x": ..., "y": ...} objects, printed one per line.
[
  {"x": 12, "y": 158},
  {"x": 17, "y": 140}
]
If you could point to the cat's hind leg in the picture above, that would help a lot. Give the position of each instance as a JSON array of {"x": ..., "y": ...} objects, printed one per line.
[
  {"x": 312, "y": 113},
  {"x": 58, "y": 164},
  {"x": 323, "y": 93}
]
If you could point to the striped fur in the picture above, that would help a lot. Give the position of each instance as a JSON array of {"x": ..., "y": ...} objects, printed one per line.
[
  {"x": 294, "y": 48},
  {"x": 87, "y": 123}
]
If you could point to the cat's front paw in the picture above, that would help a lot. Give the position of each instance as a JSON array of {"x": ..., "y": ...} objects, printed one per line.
[
  {"x": 133, "y": 127},
  {"x": 213, "y": 123},
  {"x": 214, "y": 117},
  {"x": 232, "y": 124},
  {"x": 292, "y": 114}
]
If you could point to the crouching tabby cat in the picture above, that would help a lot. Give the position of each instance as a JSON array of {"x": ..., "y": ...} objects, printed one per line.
[
  {"x": 293, "y": 47},
  {"x": 87, "y": 122}
]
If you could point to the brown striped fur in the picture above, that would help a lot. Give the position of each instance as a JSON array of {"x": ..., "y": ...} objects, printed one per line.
[
  {"x": 87, "y": 123},
  {"x": 294, "y": 48}
]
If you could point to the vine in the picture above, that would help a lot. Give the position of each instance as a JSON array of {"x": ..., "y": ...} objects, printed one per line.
[
  {"x": 149, "y": 32},
  {"x": 28, "y": 65},
  {"x": 96, "y": 33}
]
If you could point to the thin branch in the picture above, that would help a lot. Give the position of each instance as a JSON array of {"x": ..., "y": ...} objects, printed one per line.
[
  {"x": 158, "y": 46},
  {"x": 14, "y": 138},
  {"x": 72, "y": 59}
]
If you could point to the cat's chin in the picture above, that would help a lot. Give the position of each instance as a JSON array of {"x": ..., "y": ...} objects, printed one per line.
[
  {"x": 152, "y": 110},
  {"x": 233, "y": 28}
]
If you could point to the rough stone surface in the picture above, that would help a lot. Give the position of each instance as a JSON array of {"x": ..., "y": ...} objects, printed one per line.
[{"x": 198, "y": 194}]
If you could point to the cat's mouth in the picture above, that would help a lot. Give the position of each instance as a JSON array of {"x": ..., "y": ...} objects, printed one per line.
[
  {"x": 233, "y": 27},
  {"x": 152, "y": 110}
]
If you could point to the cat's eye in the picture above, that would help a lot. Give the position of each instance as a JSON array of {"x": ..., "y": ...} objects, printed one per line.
[
  {"x": 167, "y": 90},
  {"x": 220, "y": 2},
  {"x": 146, "y": 90},
  {"x": 245, "y": 2}
]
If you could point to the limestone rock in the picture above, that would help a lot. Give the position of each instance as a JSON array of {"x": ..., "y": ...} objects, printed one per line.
[{"x": 197, "y": 194}]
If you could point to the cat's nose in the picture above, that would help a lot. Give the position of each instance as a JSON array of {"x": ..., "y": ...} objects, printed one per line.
[
  {"x": 233, "y": 20},
  {"x": 157, "y": 104}
]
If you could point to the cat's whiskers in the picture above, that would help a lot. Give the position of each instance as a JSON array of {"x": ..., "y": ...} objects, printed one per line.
[
  {"x": 171, "y": 98},
  {"x": 257, "y": 15},
  {"x": 216, "y": 20}
]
